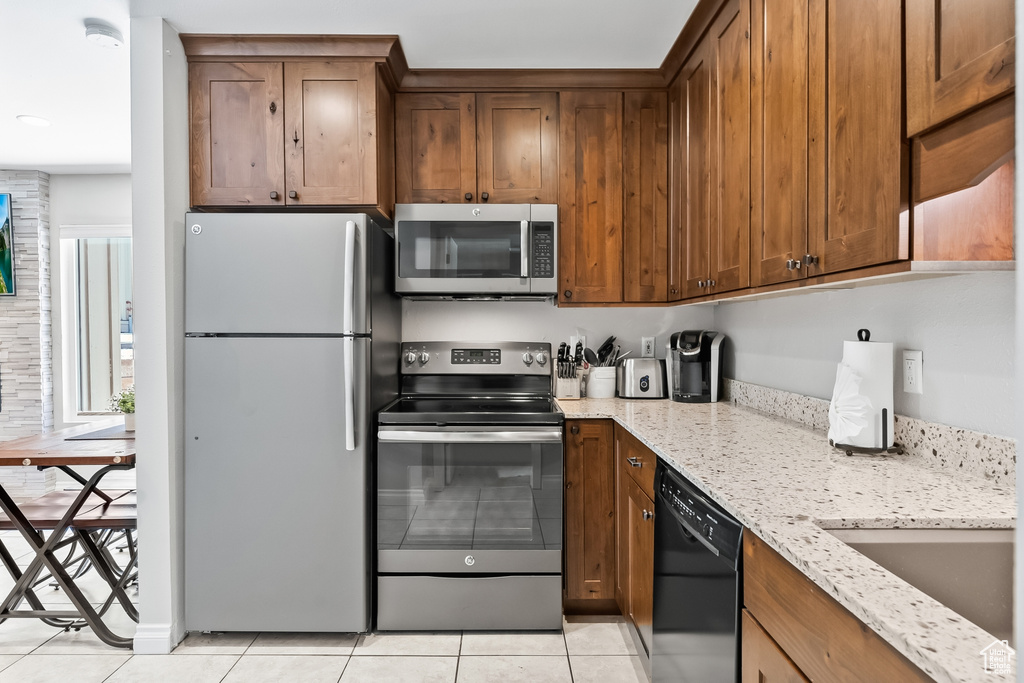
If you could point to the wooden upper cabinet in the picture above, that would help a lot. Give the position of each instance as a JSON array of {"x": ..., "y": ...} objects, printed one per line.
[
  {"x": 590, "y": 197},
  {"x": 695, "y": 180},
  {"x": 645, "y": 199},
  {"x": 729, "y": 265},
  {"x": 867, "y": 160},
  {"x": 960, "y": 54},
  {"x": 435, "y": 147},
  {"x": 785, "y": 127},
  {"x": 488, "y": 147},
  {"x": 236, "y": 124},
  {"x": 517, "y": 147},
  {"x": 589, "y": 510},
  {"x": 330, "y": 133}
]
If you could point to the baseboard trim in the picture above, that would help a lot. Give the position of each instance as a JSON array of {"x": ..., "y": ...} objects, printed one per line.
[{"x": 154, "y": 639}]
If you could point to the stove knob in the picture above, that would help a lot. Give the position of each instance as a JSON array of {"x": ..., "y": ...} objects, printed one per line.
[
  {"x": 528, "y": 358},
  {"x": 541, "y": 359},
  {"x": 410, "y": 357},
  {"x": 424, "y": 357}
]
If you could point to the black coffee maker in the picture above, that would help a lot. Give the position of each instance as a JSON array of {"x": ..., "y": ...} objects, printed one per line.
[{"x": 694, "y": 366}]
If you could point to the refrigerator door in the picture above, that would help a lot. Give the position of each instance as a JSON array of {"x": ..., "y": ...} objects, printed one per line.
[
  {"x": 276, "y": 273},
  {"x": 276, "y": 510}
]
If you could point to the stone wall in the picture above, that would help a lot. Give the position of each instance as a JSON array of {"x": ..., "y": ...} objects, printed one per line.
[{"x": 26, "y": 349}]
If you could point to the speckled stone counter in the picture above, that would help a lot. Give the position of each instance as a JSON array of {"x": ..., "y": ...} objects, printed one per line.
[{"x": 784, "y": 482}]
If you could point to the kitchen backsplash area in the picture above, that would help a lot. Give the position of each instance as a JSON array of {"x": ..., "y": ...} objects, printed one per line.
[
  {"x": 541, "y": 321},
  {"x": 962, "y": 451}
]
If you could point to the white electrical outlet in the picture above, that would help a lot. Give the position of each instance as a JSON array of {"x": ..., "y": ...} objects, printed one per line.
[
  {"x": 647, "y": 347},
  {"x": 913, "y": 374}
]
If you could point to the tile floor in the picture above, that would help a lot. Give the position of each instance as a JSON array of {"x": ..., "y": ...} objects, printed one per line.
[{"x": 588, "y": 649}]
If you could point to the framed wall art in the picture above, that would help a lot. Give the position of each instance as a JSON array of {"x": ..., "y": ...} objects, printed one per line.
[{"x": 6, "y": 247}]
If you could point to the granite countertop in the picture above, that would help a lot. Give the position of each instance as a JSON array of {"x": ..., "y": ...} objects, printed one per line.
[{"x": 782, "y": 480}]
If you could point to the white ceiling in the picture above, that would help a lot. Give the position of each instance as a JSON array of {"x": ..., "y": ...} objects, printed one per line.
[{"x": 83, "y": 89}]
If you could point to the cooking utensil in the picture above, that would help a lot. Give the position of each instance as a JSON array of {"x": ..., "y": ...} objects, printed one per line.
[
  {"x": 605, "y": 350},
  {"x": 561, "y": 360},
  {"x": 590, "y": 356},
  {"x": 578, "y": 359}
]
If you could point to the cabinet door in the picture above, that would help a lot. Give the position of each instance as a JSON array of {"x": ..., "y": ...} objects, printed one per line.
[
  {"x": 960, "y": 54},
  {"x": 677, "y": 185},
  {"x": 589, "y": 510},
  {"x": 330, "y": 133},
  {"x": 645, "y": 197},
  {"x": 236, "y": 121},
  {"x": 517, "y": 147},
  {"x": 590, "y": 197},
  {"x": 762, "y": 660},
  {"x": 696, "y": 170},
  {"x": 785, "y": 124},
  {"x": 866, "y": 166},
  {"x": 435, "y": 148},
  {"x": 639, "y": 529},
  {"x": 729, "y": 266}
]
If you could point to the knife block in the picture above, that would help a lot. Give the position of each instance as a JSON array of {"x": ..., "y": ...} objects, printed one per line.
[{"x": 567, "y": 387}]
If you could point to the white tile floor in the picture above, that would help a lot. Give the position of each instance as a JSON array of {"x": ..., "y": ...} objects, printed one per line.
[{"x": 588, "y": 649}]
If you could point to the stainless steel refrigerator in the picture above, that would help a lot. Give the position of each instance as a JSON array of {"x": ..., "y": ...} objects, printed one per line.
[{"x": 292, "y": 341}]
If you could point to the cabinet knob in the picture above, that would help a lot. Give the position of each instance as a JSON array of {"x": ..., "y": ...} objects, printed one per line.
[
  {"x": 793, "y": 264},
  {"x": 469, "y": 196},
  {"x": 274, "y": 195},
  {"x": 711, "y": 283},
  {"x": 700, "y": 283},
  {"x": 575, "y": 429},
  {"x": 648, "y": 514},
  {"x": 810, "y": 260},
  {"x": 292, "y": 194},
  {"x": 484, "y": 196},
  {"x": 567, "y": 294},
  {"x": 273, "y": 107}
]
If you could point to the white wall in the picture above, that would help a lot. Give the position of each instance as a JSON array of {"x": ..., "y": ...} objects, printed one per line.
[
  {"x": 159, "y": 201},
  {"x": 101, "y": 199},
  {"x": 963, "y": 324},
  {"x": 539, "y": 321}
]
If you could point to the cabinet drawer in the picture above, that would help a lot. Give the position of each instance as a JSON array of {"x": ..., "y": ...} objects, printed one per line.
[
  {"x": 818, "y": 634},
  {"x": 636, "y": 459}
]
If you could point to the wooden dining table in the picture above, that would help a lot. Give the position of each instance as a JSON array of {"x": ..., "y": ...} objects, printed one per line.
[{"x": 67, "y": 518}]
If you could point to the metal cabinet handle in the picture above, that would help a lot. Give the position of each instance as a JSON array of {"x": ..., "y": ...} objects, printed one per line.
[
  {"x": 293, "y": 194},
  {"x": 648, "y": 514},
  {"x": 484, "y": 196},
  {"x": 700, "y": 283},
  {"x": 273, "y": 107},
  {"x": 810, "y": 260},
  {"x": 793, "y": 264},
  {"x": 567, "y": 294},
  {"x": 469, "y": 196},
  {"x": 634, "y": 462},
  {"x": 574, "y": 429},
  {"x": 274, "y": 195},
  {"x": 711, "y": 283}
]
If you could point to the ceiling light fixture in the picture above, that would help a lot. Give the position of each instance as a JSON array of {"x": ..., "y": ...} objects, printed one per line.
[
  {"x": 33, "y": 120},
  {"x": 103, "y": 35}
]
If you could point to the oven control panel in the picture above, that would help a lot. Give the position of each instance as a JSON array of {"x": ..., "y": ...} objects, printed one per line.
[
  {"x": 488, "y": 356},
  {"x": 476, "y": 358}
]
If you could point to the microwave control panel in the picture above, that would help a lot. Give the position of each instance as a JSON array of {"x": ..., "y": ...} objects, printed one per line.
[{"x": 543, "y": 265}]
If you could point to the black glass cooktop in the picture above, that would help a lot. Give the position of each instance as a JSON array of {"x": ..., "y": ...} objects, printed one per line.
[{"x": 462, "y": 410}]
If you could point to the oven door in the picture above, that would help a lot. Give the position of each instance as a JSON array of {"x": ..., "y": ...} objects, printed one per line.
[{"x": 469, "y": 499}]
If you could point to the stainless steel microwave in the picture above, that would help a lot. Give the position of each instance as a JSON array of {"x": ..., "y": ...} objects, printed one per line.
[{"x": 476, "y": 250}]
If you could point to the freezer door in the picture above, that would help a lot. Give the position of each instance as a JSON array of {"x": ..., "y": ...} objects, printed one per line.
[
  {"x": 276, "y": 511},
  {"x": 275, "y": 273}
]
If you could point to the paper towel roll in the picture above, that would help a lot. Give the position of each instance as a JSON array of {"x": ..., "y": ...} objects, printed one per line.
[{"x": 873, "y": 362}]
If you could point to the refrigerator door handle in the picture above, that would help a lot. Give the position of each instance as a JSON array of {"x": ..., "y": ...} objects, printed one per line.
[
  {"x": 350, "y": 394},
  {"x": 348, "y": 293}
]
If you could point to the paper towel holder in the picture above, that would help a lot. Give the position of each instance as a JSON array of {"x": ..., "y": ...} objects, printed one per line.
[{"x": 894, "y": 449}]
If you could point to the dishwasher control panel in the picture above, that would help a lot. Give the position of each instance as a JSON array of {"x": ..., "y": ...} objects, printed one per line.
[{"x": 701, "y": 516}]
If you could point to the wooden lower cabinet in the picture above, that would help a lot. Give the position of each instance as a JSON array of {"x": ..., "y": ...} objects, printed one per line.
[
  {"x": 820, "y": 637},
  {"x": 589, "y": 516},
  {"x": 635, "y": 532},
  {"x": 762, "y": 660}
]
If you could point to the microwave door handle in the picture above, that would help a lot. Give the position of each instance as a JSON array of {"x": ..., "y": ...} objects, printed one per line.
[{"x": 524, "y": 246}]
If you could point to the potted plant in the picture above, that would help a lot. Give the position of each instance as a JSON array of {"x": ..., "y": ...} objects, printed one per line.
[{"x": 124, "y": 402}]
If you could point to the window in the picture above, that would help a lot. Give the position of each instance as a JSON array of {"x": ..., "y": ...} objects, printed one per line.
[{"x": 97, "y": 318}]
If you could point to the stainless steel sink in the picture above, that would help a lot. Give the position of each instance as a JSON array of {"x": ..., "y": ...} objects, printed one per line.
[{"x": 968, "y": 570}]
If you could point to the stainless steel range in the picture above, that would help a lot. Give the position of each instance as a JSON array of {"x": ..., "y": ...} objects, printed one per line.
[{"x": 469, "y": 490}]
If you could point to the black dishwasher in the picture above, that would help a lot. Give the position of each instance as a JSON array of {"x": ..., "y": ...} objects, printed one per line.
[{"x": 697, "y": 585}]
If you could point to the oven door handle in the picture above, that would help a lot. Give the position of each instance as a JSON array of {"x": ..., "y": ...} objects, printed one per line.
[{"x": 422, "y": 436}]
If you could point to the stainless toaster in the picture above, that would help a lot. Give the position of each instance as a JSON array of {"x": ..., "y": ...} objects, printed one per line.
[{"x": 641, "y": 378}]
